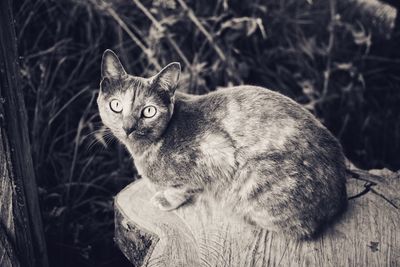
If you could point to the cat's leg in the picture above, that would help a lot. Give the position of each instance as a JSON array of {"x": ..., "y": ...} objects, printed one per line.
[{"x": 173, "y": 197}]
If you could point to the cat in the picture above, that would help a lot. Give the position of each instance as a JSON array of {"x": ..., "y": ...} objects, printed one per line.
[{"x": 265, "y": 157}]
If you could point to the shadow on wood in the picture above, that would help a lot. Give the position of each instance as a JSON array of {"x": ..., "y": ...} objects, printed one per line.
[{"x": 200, "y": 235}]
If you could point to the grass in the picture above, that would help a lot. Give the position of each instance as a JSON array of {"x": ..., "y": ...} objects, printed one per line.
[{"x": 328, "y": 55}]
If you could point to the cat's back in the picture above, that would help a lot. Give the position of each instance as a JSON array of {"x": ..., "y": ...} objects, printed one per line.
[
  {"x": 245, "y": 113},
  {"x": 255, "y": 115},
  {"x": 252, "y": 105},
  {"x": 236, "y": 111},
  {"x": 239, "y": 101},
  {"x": 249, "y": 118}
]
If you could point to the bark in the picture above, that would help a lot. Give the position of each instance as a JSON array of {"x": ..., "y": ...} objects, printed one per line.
[{"x": 21, "y": 237}]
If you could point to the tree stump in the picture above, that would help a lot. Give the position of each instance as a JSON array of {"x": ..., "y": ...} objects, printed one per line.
[{"x": 199, "y": 234}]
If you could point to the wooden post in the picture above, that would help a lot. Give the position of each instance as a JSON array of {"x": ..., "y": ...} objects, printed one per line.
[
  {"x": 200, "y": 234},
  {"x": 21, "y": 235}
]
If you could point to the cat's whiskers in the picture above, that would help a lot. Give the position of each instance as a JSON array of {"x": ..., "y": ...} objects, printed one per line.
[{"x": 102, "y": 136}]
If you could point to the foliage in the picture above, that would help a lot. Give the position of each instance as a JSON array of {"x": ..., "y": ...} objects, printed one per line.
[{"x": 325, "y": 54}]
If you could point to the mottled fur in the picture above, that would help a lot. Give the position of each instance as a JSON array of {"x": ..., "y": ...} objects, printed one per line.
[{"x": 259, "y": 154}]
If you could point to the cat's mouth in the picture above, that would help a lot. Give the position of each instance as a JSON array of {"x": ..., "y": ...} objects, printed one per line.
[{"x": 136, "y": 134}]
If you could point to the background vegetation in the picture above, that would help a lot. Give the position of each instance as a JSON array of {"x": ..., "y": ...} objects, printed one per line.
[{"x": 335, "y": 57}]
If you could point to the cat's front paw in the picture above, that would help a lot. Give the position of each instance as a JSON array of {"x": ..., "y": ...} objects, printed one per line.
[
  {"x": 171, "y": 198},
  {"x": 159, "y": 201}
]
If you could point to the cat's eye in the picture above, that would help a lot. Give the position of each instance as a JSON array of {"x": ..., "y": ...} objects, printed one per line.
[
  {"x": 149, "y": 111},
  {"x": 116, "y": 106}
]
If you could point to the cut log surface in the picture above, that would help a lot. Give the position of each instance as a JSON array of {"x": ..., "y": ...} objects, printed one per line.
[{"x": 199, "y": 234}]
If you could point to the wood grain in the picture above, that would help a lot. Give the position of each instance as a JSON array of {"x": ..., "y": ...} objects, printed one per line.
[
  {"x": 199, "y": 234},
  {"x": 21, "y": 235},
  {"x": 7, "y": 229}
]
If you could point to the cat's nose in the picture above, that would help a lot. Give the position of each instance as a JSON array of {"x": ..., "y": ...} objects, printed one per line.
[{"x": 129, "y": 128}]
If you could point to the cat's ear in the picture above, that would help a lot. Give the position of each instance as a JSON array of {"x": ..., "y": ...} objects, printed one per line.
[
  {"x": 168, "y": 77},
  {"x": 110, "y": 65}
]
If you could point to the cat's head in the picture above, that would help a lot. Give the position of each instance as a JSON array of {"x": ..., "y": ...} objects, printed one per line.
[{"x": 135, "y": 107}]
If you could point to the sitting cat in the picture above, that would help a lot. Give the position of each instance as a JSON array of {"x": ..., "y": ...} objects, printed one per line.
[{"x": 257, "y": 152}]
